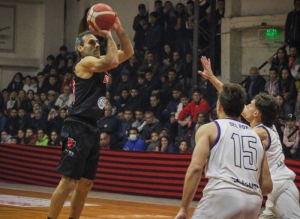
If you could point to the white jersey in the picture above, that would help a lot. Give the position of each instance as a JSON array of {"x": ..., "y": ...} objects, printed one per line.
[
  {"x": 235, "y": 158},
  {"x": 276, "y": 157}
]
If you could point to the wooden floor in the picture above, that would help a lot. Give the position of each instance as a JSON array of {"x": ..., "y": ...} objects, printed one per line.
[{"x": 100, "y": 205}]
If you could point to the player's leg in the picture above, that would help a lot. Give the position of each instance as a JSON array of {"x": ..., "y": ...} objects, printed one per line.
[
  {"x": 59, "y": 196},
  {"x": 287, "y": 204},
  {"x": 78, "y": 197}
]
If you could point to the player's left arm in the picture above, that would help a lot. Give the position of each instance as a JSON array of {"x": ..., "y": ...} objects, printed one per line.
[
  {"x": 126, "y": 50},
  {"x": 205, "y": 135}
]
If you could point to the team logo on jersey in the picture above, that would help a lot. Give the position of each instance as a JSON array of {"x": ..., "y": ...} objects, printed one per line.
[
  {"x": 101, "y": 102},
  {"x": 106, "y": 78},
  {"x": 71, "y": 143}
]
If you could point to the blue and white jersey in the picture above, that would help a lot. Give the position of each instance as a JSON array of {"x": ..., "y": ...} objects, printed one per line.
[
  {"x": 276, "y": 157},
  {"x": 235, "y": 158}
]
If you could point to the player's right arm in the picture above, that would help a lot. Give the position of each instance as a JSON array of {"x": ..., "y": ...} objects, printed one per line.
[
  {"x": 205, "y": 136},
  {"x": 265, "y": 180},
  {"x": 90, "y": 64}
]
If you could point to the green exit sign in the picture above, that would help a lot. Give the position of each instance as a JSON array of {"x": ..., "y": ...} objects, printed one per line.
[{"x": 271, "y": 33}]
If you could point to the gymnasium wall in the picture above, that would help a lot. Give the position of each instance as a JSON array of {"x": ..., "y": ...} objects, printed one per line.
[{"x": 139, "y": 173}]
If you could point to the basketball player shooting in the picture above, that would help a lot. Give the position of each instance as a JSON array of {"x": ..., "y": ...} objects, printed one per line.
[
  {"x": 79, "y": 160},
  {"x": 261, "y": 113}
]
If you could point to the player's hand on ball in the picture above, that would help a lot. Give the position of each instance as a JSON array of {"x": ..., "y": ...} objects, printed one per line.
[{"x": 117, "y": 24}]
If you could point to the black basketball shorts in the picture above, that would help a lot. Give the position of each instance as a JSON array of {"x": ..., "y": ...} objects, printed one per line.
[{"x": 80, "y": 150}]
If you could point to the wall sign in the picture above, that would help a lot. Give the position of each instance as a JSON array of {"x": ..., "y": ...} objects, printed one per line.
[{"x": 7, "y": 28}]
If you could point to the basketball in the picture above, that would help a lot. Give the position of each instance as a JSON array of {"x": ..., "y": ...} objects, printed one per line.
[{"x": 101, "y": 16}]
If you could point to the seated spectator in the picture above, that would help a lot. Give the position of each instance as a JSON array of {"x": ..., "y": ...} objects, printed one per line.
[
  {"x": 164, "y": 132},
  {"x": 110, "y": 125},
  {"x": 51, "y": 97},
  {"x": 290, "y": 137},
  {"x": 54, "y": 139},
  {"x": 14, "y": 140},
  {"x": 272, "y": 84},
  {"x": 134, "y": 143},
  {"x": 184, "y": 147},
  {"x": 11, "y": 100},
  {"x": 171, "y": 108},
  {"x": 172, "y": 82},
  {"x": 104, "y": 142},
  {"x": 281, "y": 119},
  {"x": 16, "y": 83},
  {"x": 39, "y": 120},
  {"x": 42, "y": 84},
  {"x": 140, "y": 26},
  {"x": 294, "y": 59},
  {"x": 280, "y": 61},
  {"x": 30, "y": 137},
  {"x": 154, "y": 143},
  {"x": 123, "y": 127},
  {"x": 5, "y": 137},
  {"x": 135, "y": 99},
  {"x": 202, "y": 118},
  {"x": 68, "y": 78},
  {"x": 12, "y": 125},
  {"x": 56, "y": 119},
  {"x": 28, "y": 86},
  {"x": 42, "y": 138},
  {"x": 50, "y": 64},
  {"x": 132, "y": 66},
  {"x": 156, "y": 106},
  {"x": 53, "y": 84},
  {"x": 164, "y": 144},
  {"x": 64, "y": 100},
  {"x": 21, "y": 136},
  {"x": 153, "y": 124},
  {"x": 150, "y": 62},
  {"x": 125, "y": 83},
  {"x": 139, "y": 121},
  {"x": 124, "y": 98}
]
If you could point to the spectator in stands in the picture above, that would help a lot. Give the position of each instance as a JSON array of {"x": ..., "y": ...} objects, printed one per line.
[
  {"x": 42, "y": 84},
  {"x": 16, "y": 83},
  {"x": 177, "y": 63},
  {"x": 125, "y": 83},
  {"x": 219, "y": 14},
  {"x": 139, "y": 121},
  {"x": 290, "y": 137},
  {"x": 120, "y": 116},
  {"x": 153, "y": 124},
  {"x": 22, "y": 119},
  {"x": 281, "y": 119},
  {"x": 11, "y": 100},
  {"x": 135, "y": 99},
  {"x": 292, "y": 25},
  {"x": 287, "y": 89},
  {"x": 171, "y": 108},
  {"x": 134, "y": 142},
  {"x": 28, "y": 86},
  {"x": 68, "y": 78},
  {"x": 271, "y": 86},
  {"x": 294, "y": 59},
  {"x": 124, "y": 126},
  {"x": 53, "y": 84},
  {"x": 124, "y": 98},
  {"x": 20, "y": 97},
  {"x": 56, "y": 118},
  {"x": 150, "y": 62},
  {"x": 63, "y": 52},
  {"x": 166, "y": 57},
  {"x": 11, "y": 125},
  {"x": 51, "y": 97},
  {"x": 202, "y": 118},
  {"x": 156, "y": 106},
  {"x": 141, "y": 82},
  {"x": 104, "y": 142},
  {"x": 170, "y": 22},
  {"x": 255, "y": 83},
  {"x": 14, "y": 140},
  {"x": 133, "y": 65},
  {"x": 181, "y": 41},
  {"x": 164, "y": 132},
  {"x": 164, "y": 144},
  {"x": 140, "y": 25},
  {"x": 64, "y": 100},
  {"x": 109, "y": 125},
  {"x": 50, "y": 64},
  {"x": 62, "y": 66},
  {"x": 198, "y": 104},
  {"x": 153, "y": 145},
  {"x": 21, "y": 136},
  {"x": 171, "y": 83},
  {"x": 280, "y": 61},
  {"x": 184, "y": 147},
  {"x": 39, "y": 120},
  {"x": 5, "y": 137},
  {"x": 5, "y": 95},
  {"x": 3, "y": 120},
  {"x": 35, "y": 106},
  {"x": 70, "y": 62},
  {"x": 30, "y": 136},
  {"x": 297, "y": 107},
  {"x": 54, "y": 139},
  {"x": 150, "y": 86},
  {"x": 42, "y": 138}
]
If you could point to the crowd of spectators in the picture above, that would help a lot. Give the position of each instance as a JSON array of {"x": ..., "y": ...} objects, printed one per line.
[{"x": 152, "y": 106}]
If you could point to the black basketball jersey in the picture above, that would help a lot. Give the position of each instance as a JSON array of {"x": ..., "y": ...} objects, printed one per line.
[{"x": 89, "y": 97}]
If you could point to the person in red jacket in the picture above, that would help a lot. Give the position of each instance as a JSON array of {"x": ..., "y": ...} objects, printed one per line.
[{"x": 196, "y": 105}]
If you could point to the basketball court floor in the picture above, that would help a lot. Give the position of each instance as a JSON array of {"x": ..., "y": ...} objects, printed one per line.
[{"x": 20, "y": 201}]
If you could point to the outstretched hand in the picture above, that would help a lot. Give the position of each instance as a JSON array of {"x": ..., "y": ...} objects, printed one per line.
[
  {"x": 207, "y": 72},
  {"x": 98, "y": 31}
]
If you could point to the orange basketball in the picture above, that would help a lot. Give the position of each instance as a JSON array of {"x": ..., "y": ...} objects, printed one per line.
[{"x": 101, "y": 16}]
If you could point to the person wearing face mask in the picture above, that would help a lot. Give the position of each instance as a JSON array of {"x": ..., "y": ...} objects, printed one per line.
[
  {"x": 254, "y": 84},
  {"x": 134, "y": 143}
]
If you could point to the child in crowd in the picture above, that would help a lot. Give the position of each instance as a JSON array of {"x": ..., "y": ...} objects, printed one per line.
[
  {"x": 184, "y": 147},
  {"x": 154, "y": 144},
  {"x": 290, "y": 137}
]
